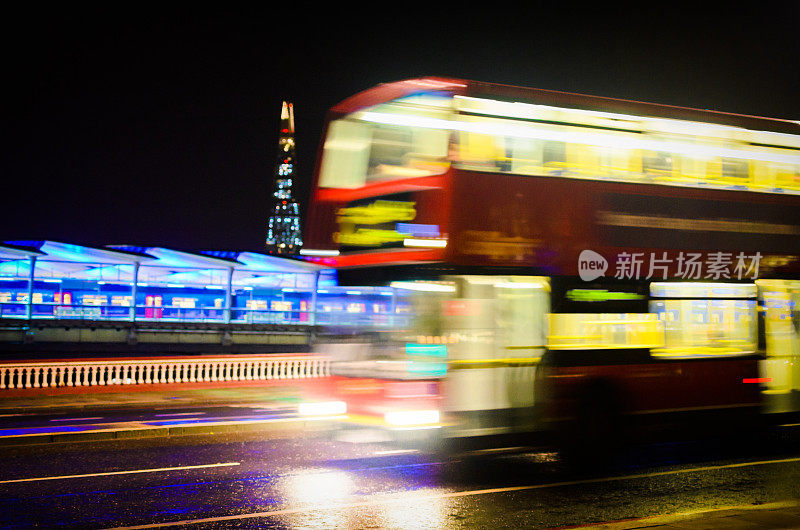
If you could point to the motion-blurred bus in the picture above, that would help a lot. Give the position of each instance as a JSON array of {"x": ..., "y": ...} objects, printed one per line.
[{"x": 559, "y": 261}]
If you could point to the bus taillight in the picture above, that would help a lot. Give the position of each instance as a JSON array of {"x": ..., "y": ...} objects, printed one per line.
[{"x": 757, "y": 380}]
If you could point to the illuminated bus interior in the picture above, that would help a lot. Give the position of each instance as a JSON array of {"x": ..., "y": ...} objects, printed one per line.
[{"x": 421, "y": 135}]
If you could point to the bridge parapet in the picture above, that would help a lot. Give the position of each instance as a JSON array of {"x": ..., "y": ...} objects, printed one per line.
[{"x": 167, "y": 370}]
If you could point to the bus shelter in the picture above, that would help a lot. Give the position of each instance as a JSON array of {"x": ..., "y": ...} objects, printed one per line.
[{"x": 55, "y": 280}]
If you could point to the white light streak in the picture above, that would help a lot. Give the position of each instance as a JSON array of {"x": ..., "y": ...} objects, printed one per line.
[
  {"x": 425, "y": 286},
  {"x": 425, "y": 243},
  {"x": 616, "y": 141}
]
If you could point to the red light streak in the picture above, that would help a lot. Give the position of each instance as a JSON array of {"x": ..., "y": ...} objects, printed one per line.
[{"x": 757, "y": 380}]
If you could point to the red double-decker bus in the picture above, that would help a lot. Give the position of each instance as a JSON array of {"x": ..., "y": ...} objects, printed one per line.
[{"x": 560, "y": 259}]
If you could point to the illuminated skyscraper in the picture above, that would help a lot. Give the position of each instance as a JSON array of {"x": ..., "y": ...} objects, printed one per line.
[{"x": 283, "y": 229}]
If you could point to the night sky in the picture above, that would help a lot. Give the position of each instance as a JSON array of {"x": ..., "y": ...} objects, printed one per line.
[{"x": 160, "y": 128}]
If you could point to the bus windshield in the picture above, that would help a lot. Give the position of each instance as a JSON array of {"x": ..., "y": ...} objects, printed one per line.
[{"x": 361, "y": 149}]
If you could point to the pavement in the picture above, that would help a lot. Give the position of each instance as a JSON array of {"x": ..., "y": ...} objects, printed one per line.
[{"x": 95, "y": 416}]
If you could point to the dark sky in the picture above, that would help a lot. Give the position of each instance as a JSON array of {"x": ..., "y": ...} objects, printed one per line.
[{"x": 160, "y": 128}]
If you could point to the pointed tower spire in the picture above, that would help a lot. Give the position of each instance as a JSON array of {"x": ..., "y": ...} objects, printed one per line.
[
  {"x": 287, "y": 118},
  {"x": 283, "y": 227}
]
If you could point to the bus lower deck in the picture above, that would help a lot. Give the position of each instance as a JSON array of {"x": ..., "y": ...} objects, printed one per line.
[{"x": 485, "y": 357}]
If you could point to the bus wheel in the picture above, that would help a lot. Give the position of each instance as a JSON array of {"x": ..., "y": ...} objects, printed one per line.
[{"x": 596, "y": 437}]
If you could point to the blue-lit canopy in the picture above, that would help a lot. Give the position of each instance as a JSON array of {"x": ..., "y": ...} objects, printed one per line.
[
  {"x": 161, "y": 284},
  {"x": 64, "y": 260},
  {"x": 57, "y": 260}
]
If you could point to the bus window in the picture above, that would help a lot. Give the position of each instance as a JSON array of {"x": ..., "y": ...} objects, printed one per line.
[
  {"x": 526, "y": 156},
  {"x": 596, "y": 331},
  {"x": 618, "y": 163},
  {"x": 346, "y": 153},
  {"x": 398, "y": 152},
  {"x": 483, "y": 151},
  {"x": 554, "y": 155},
  {"x": 706, "y": 319},
  {"x": 398, "y": 139},
  {"x": 735, "y": 171},
  {"x": 657, "y": 163},
  {"x": 787, "y": 177},
  {"x": 387, "y": 148},
  {"x": 584, "y": 160}
]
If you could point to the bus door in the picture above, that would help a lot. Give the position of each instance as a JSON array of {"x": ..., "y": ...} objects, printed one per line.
[
  {"x": 495, "y": 326},
  {"x": 780, "y": 307}
]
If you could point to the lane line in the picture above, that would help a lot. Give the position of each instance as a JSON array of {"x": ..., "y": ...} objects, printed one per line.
[
  {"x": 660, "y": 520},
  {"x": 129, "y": 472},
  {"x": 456, "y": 494}
]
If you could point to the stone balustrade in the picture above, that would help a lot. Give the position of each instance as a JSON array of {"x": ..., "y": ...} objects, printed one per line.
[{"x": 98, "y": 372}]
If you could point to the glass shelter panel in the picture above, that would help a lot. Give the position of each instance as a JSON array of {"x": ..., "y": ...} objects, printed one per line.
[
  {"x": 14, "y": 286},
  {"x": 181, "y": 293}
]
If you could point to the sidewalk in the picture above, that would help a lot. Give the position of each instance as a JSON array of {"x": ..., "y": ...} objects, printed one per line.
[
  {"x": 253, "y": 406},
  {"x": 784, "y": 514}
]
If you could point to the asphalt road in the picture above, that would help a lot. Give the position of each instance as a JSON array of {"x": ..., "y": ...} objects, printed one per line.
[{"x": 298, "y": 479}]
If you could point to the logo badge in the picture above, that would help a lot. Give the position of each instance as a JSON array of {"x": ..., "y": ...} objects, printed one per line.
[{"x": 591, "y": 265}]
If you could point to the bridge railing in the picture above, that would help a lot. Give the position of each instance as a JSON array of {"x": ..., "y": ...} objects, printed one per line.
[{"x": 100, "y": 372}]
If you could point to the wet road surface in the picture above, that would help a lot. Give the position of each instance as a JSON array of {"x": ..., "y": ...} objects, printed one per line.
[
  {"x": 27, "y": 424},
  {"x": 312, "y": 480}
]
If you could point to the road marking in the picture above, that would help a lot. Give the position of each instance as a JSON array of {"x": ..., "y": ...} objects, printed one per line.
[
  {"x": 455, "y": 494},
  {"x": 151, "y": 470},
  {"x": 77, "y": 419},
  {"x": 660, "y": 520}
]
